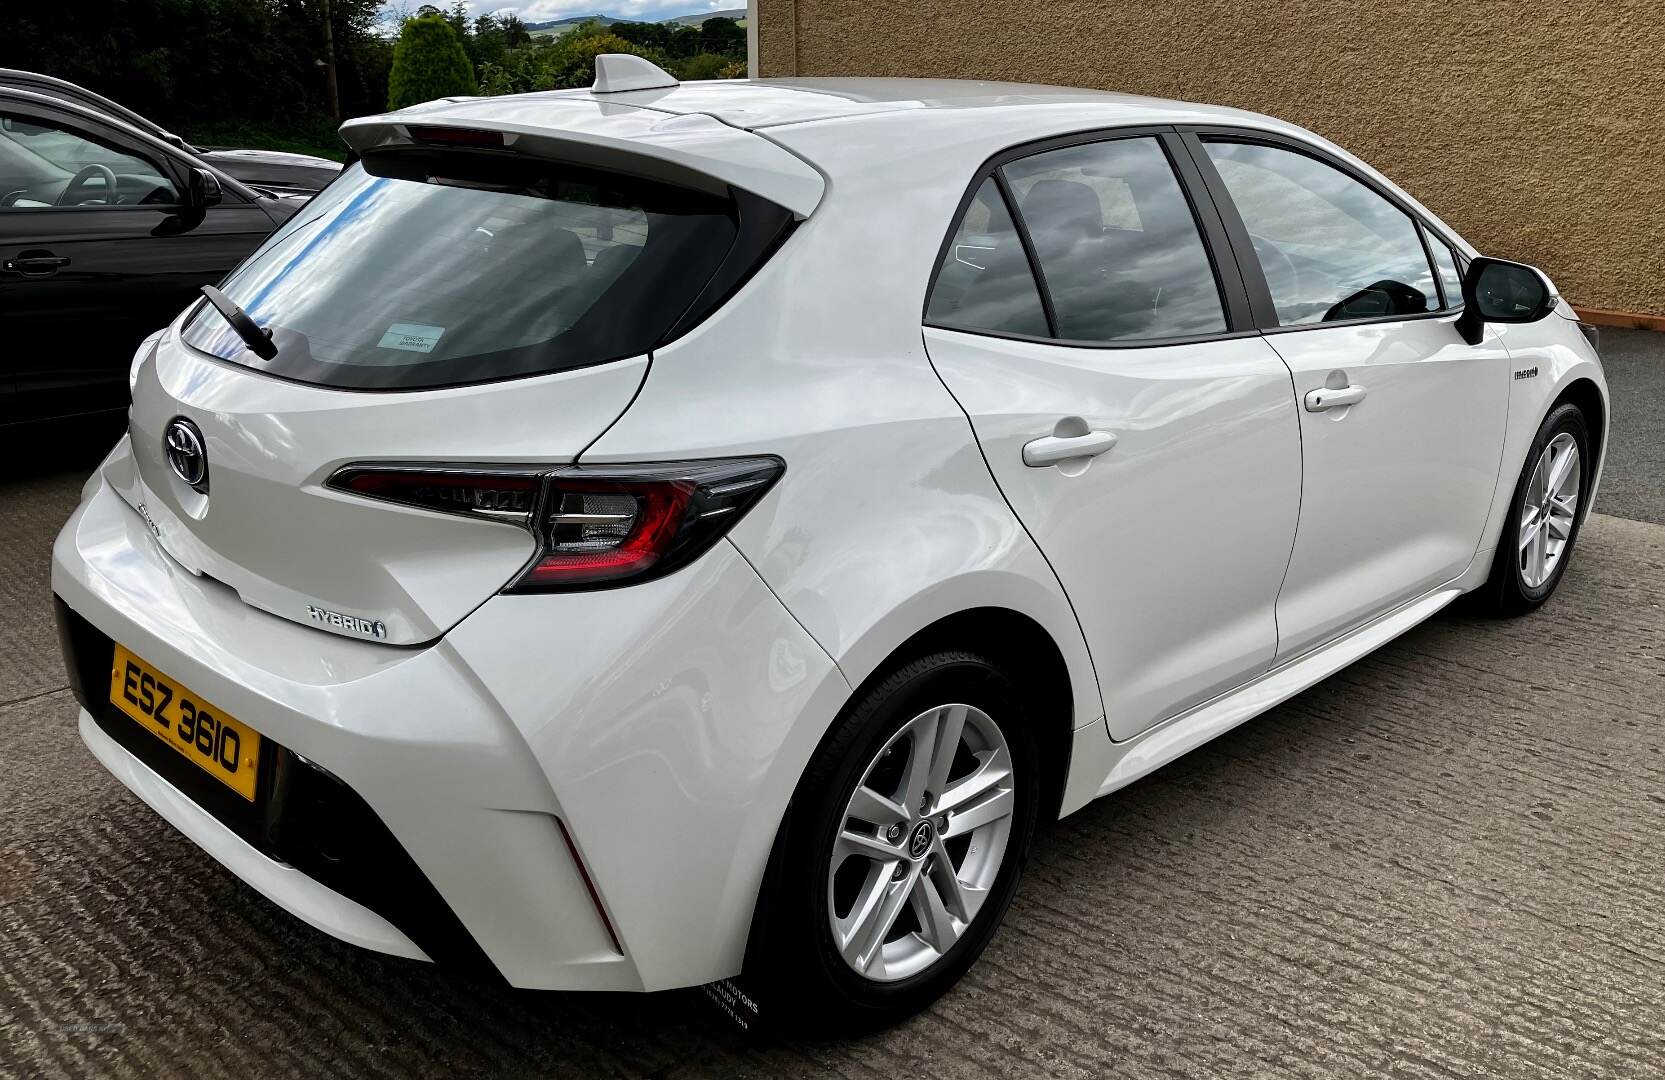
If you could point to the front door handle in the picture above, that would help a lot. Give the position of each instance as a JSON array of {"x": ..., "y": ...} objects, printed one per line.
[
  {"x": 35, "y": 264},
  {"x": 1325, "y": 398},
  {"x": 1052, "y": 449}
]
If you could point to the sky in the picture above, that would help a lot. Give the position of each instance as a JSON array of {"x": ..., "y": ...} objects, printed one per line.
[{"x": 545, "y": 10}]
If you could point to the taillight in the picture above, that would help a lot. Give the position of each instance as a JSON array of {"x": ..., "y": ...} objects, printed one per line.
[
  {"x": 595, "y": 525},
  {"x": 476, "y": 490}
]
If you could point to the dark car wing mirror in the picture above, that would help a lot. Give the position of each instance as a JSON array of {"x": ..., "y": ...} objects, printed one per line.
[
  {"x": 202, "y": 190},
  {"x": 1498, "y": 291}
]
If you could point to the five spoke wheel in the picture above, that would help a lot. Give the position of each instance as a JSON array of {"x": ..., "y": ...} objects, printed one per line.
[
  {"x": 921, "y": 842},
  {"x": 1550, "y": 508}
]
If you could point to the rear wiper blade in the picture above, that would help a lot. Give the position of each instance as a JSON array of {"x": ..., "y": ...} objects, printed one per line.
[{"x": 257, "y": 339}]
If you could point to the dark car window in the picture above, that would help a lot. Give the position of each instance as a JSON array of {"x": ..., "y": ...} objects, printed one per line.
[
  {"x": 441, "y": 268},
  {"x": 1119, "y": 250},
  {"x": 1445, "y": 262},
  {"x": 1331, "y": 248},
  {"x": 45, "y": 165},
  {"x": 984, "y": 282}
]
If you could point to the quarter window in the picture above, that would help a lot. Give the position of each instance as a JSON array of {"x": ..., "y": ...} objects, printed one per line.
[
  {"x": 1330, "y": 247},
  {"x": 1118, "y": 247},
  {"x": 44, "y": 166},
  {"x": 984, "y": 282},
  {"x": 1451, "y": 279}
]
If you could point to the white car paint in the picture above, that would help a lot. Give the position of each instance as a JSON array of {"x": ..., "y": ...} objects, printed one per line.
[
  {"x": 274, "y": 443},
  {"x": 688, "y": 147},
  {"x": 1205, "y": 475},
  {"x": 1375, "y": 531},
  {"x": 665, "y": 725}
]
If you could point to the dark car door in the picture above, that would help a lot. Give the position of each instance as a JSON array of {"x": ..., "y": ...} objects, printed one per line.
[{"x": 97, "y": 249}]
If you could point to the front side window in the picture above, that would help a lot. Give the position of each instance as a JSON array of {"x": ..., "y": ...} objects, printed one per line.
[
  {"x": 984, "y": 282},
  {"x": 1330, "y": 247},
  {"x": 46, "y": 166},
  {"x": 441, "y": 268},
  {"x": 1119, "y": 250}
]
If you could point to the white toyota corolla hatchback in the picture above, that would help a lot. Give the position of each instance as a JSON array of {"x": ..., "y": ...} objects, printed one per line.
[{"x": 628, "y": 538}]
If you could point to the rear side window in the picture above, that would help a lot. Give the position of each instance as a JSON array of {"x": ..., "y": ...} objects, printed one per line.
[
  {"x": 419, "y": 269},
  {"x": 1119, "y": 249},
  {"x": 1331, "y": 248},
  {"x": 984, "y": 282}
]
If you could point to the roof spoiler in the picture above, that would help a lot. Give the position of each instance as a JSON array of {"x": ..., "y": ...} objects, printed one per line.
[
  {"x": 617, "y": 72},
  {"x": 589, "y": 129}
]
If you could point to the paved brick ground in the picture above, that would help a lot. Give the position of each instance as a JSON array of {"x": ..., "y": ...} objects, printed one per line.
[{"x": 1443, "y": 862}]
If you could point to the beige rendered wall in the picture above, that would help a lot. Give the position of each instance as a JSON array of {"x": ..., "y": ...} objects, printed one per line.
[{"x": 1533, "y": 128}]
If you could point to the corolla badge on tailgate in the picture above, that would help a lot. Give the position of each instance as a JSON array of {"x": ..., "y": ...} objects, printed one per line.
[{"x": 369, "y": 627}]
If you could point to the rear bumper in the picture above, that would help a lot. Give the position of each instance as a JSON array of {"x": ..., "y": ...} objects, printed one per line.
[
  {"x": 298, "y": 894},
  {"x": 647, "y": 737}
]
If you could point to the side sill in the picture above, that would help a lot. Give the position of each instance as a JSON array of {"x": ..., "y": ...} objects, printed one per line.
[{"x": 1155, "y": 748}]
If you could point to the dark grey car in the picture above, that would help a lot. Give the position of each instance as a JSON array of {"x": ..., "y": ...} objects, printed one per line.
[{"x": 273, "y": 170}]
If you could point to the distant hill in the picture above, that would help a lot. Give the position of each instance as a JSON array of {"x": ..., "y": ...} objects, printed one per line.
[
  {"x": 557, "y": 27},
  {"x": 737, "y": 14},
  {"x": 561, "y": 26}
]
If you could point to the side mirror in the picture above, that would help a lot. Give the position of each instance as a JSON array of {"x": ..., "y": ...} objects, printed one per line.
[
  {"x": 1496, "y": 291},
  {"x": 202, "y": 190}
]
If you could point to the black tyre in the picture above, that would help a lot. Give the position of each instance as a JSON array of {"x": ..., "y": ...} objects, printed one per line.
[
  {"x": 901, "y": 851},
  {"x": 1544, "y": 517}
]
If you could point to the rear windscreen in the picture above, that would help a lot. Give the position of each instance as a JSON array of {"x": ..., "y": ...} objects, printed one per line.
[{"x": 421, "y": 269}]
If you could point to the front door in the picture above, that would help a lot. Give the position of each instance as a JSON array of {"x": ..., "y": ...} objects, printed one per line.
[
  {"x": 1401, "y": 421},
  {"x": 1147, "y": 442}
]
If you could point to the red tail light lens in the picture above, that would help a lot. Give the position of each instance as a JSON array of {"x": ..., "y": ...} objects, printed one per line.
[
  {"x": 611, "y": 524},
  {"x": 595, "y": 526},
  {"x": 461, "y": 489}
]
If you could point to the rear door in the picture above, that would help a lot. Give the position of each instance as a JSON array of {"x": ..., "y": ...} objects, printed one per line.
[
  {"x": 1402, "y": 421},
  {"x": 1141, "y": 429},
  {"x": 85, "y": 272}
]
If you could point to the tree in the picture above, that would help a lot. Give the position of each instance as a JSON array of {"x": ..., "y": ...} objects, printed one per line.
[
  {"x": 703, "y": 66},
  {"x": 683, "y": 42},
  {"x": 723, "y": 37},
  {"x": 647, "y": 35},
  {"x": 570, "y": 61},
  {"x": 486, "y": 42},
  {"x": 515, "y": 33},
  {"x": 429, "y": 62}
]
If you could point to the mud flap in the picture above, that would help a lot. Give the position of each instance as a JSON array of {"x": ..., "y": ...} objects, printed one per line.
[
  {"x": 740, "y": 998},
  {"x": 730, "y": 998}
]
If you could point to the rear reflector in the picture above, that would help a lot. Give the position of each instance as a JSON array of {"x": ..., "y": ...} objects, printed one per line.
[{"x": 595, "y": 526}]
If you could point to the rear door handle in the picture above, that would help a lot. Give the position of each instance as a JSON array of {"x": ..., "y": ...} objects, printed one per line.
[
  {"x": 1052, "y": 449},
  {"x": 1325, "y": 398},
  {"x": 35, "y": 264}
]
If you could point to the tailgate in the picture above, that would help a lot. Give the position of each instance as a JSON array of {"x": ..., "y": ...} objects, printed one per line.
[{"x": 269, "y": 529}]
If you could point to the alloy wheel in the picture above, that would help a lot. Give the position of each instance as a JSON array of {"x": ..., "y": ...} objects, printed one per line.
[
  {"x": 1549, "y": 510},
  {"x": 921, "y": 842}
]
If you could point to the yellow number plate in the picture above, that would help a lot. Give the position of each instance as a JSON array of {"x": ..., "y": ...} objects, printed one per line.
[{"x": 224, "y": 748}]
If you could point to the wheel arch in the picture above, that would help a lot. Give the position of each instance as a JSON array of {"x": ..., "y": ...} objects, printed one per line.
[
  {"x": 1551, "y": 363},
  {"x": 1584, "y": 393},
  {"x": 1026, "y": 653}
]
